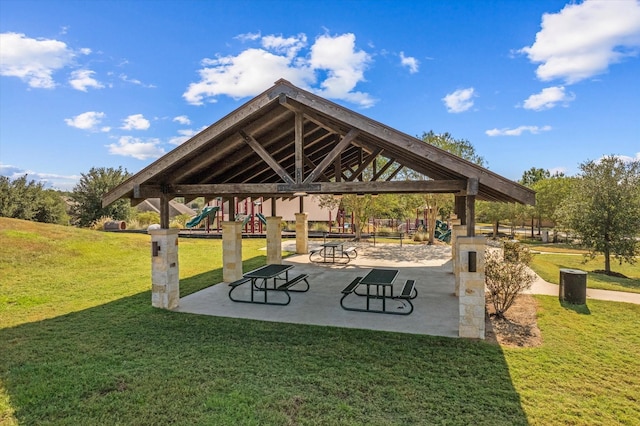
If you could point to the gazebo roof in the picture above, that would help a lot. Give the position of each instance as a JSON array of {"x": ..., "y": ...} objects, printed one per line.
[{"x": 288, "y": 141}]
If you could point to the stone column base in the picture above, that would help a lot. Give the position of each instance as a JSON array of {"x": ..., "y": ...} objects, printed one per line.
[
  {"x": 231, "y": 251},
  {"x": 302, "y": 233},
  {"x": 165, "y": 282},
  {"x": 471, "y": 287},
  {"x": 274, "y": 240}
]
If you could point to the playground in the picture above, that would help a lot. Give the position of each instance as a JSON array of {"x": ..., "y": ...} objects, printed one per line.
[{"x": 249, "y": 212}]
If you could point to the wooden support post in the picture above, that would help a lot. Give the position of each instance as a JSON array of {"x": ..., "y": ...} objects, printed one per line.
[
  {"x": 273, "y": 206},
  {"x": 472, "y": 191},
  {"x": 164, "y": 211},
  {"x": 232, "y": 209},
  {"x": 460, "y": 209},
  {"x": 471, "y": 215}
]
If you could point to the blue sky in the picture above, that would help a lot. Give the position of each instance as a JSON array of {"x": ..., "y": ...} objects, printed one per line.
[{"x": 530, "y": 83}]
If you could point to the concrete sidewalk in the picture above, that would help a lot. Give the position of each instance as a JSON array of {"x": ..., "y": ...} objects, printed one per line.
[{"x": 543, "y": 287}]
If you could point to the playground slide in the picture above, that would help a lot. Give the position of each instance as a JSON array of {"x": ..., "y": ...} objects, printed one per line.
[
  {"x": 208, "y": 211},
  {"x": 262, "y": 218},
  {"x": 443, "y": 233},
  {"x": 245, "y": 218}
]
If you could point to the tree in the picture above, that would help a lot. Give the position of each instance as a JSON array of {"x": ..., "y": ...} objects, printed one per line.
[
  {"x": 603, "y": 209},
  {"x": 87, "y": 195},
  {"x": 436, "y": 203},
  {"x": 28, "y": 200},
  {"x": 550, "y": 194},
  {"x": 534, "y": 175}
]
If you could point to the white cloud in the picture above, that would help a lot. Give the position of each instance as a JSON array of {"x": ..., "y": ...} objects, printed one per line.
[
  {"x": 517, "y": 131},
  {"x": 583, "y": 39},
  {"x": 248, "y": 36},
  {"x": 82, "y": 79},
  {"x": 49, "y": 180},
  {"x": 253, "y": 70},
  {"x": 129, "y": 146},
  {"x": 135, "y": 122},
  {"x": 33, "y": 60},
  {"x": 182, "y": 119},
  {"x": 290, "y": 46},
  {"x": 135, "y": 81},
  {"x": 87, "y": 121},
  {"x": 409, "y": 62},
  {"x": 344, "y": 67},
  {"x": 460, "y": 100},
  {"x": 185, "y": 135},
  {"x": 548, "y": 98}
]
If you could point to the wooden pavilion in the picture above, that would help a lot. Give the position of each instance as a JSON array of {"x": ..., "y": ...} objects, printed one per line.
[{"x": 288, "y": 142}]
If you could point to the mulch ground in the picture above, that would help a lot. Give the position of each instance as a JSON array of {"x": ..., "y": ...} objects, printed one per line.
[{"x": 519, "y": 328}]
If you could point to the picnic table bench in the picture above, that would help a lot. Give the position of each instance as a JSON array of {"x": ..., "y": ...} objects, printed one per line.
[
  {"x": 381, "y": 279},
  {"x": 258, "y": 281},
  {"x": 391, "y": 235}
]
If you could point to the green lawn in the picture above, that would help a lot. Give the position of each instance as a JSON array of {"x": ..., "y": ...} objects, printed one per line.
[
  {"x": 549, "y": 263},
  {"x": 80, "y": 344}
]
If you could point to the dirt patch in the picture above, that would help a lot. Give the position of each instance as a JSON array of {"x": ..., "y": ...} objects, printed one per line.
[{"x": 520, "y": 327}]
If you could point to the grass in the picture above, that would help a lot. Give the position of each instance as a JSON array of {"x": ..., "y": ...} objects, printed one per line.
[
  {"x": 548, "y": 265},
  {"x": 80, "y": 344}
]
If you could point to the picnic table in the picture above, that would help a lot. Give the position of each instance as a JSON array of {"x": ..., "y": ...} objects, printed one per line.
[
  {"x": 259, "y": 280},
  {"x": 327, "y": 253},
  {"x": 382, "y": 280}
]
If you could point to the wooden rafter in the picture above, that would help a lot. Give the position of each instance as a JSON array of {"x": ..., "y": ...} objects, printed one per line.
[
  {"x": 250, "y": 140},
  {"x": 335, "y": 152}
]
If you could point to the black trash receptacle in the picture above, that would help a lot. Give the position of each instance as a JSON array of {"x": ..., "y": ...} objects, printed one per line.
[{"x": 573, "y": 286}]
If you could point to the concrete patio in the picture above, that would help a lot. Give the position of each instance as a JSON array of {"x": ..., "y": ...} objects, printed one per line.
[{"x": 436, "y": 309}]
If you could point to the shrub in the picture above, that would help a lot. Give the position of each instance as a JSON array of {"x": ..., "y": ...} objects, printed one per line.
[
  {"x": 420, "y": 237},
  {"x": 98, "y": 224},
  {"x": 507, "y": 275},
  {"x": 319, "y": 227},
  {"x": 147, "y": 218},
  {"x": 181, "y": 220}
]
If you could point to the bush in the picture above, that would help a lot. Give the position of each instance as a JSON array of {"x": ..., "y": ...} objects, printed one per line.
[
  {"x": 98, "y": 224},
  {"x": 507, "y": 275},
  {"x": 181, "y": 221},
  {"x": 147, "y": 218},
  {"x": 319, "y": 227}
]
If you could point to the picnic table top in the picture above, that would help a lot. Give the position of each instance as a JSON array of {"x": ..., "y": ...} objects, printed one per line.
[
  {"x": 268, "y": 271},
  {"x": 380, "y": 277}
]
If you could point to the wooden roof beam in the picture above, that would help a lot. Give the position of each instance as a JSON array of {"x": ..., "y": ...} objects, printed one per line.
[
  {"x": 287, "y": 189},
  {"x": 337, "y": 150},
  {"x": 250, "y": 140}
]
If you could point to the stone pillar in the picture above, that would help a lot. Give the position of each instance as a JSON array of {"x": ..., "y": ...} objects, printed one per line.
[
  {"x": 302, "y": 233},
  {"x": 231, "y": 251},
  {"x": 457, "y": 231},
  {"x": 471, "y": 292},
  {"x": 274, "y": 240},
  {"x": 165, "y": 282},
  {"x": 454, "y": 223}
]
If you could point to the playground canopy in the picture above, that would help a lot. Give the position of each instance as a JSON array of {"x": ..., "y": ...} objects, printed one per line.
[{"x": 288, "y": 142}]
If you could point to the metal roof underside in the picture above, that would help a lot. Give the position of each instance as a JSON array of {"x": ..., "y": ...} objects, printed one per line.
[{"x": 287, "y": 140}]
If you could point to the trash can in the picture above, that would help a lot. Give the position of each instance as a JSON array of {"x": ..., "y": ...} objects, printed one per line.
[
  {"x": 573, "y": 286},
  {"x": 119, "y": 225}
]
